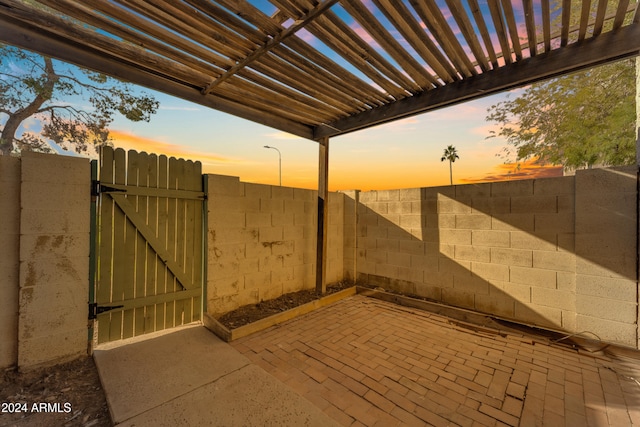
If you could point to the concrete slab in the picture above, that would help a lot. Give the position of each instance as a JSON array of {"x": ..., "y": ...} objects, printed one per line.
[
  {"x": 247, "y": 397},
  {"x": 188, "y": 376}
]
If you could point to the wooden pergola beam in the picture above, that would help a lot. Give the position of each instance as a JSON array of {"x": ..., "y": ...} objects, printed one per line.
[
  {"x": 25, "y": 36},
  {"x": 607, "y": 47},
  {"x": 272, "y": 43}
]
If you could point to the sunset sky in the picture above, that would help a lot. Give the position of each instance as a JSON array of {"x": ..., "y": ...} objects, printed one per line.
[{"x": 403, "y": 154}]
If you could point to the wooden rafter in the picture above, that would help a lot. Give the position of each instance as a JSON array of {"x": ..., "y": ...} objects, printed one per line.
[
  {"x": 344, "y": 40},
  {"x": 409, "y": 27},
  {"x": 501, "y": 31},
  {"x": 273, "y": 42},
  {"x": 320, "y": 68},
  {"x": 608, "y": 47},
  {"x": 35, "y": 39},
  {"x": 484, "y": 32},
  {"x": 623, "y": 5},
  {"x": 432, "y": 16},
  {"x": 468, "y": 32},
  {"x": 584, "y": 19},
  {"x": 513, "y": 28},
  {"x": 390, "y": 45},
  {"x": 602, "y": 9},
  {"x": 531, "y": 27},
  {"x": 566, "y": 16},
  {"x": 546, "y": 25}
]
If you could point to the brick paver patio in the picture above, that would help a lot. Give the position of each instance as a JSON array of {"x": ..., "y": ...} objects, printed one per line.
[{"x": 369, "y": 362}]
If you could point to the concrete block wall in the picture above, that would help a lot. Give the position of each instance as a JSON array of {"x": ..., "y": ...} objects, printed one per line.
[
  {"x": 48, "y": 206},
  {"x": 55, "y": 203},
  {"x": 556, "y": 252},
  {"x": 10, "y": 259},
  {"x": 335, "y": 238},
  {"x": 349, "y": 250},
  {"x": 262, "y": 242},
  {"x": 606, "y": 239}
]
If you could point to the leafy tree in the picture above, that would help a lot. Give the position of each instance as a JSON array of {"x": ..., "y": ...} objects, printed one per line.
[
  {"x": 578, "y": 120},
  {"x": 451, "y": 154},
  {"x": 33, "y": 86}
]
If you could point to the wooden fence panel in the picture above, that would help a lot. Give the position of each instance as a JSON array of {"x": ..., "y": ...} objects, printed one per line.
[
  {"x": 150, "y": 243},
  {"x": 105, "y": 242}
]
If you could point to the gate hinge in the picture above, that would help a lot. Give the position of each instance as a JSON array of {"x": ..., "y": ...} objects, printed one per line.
[
  {"x": 97, "y": 188},
  {"x": 94, "y": 310}
]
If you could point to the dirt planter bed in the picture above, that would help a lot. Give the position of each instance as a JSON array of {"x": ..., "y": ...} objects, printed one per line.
[
  {"x": 229, "y": 335},
  {"x": 460, "y": 317}
]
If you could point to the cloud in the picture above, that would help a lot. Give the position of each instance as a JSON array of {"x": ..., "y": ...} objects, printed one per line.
[
  {"x": 33, "y": 123},
  {"x": 485, "y": 130},
  {"x": 457, "y": 111},
  {"x": 364, "y": 35},
  {"x": 482, "y": 151},
  {"x": 307, "y": 37},
  {"x": 178, "y": 108},
  {"x": 369, "y": 5},
  {"x": 282, "y": 136},
  {"x": 529, "y": 169},
  {"x": 408, "y": 124},
  {"x": 129, "y": 141}
]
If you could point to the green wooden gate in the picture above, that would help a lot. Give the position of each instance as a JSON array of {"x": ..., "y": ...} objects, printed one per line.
[{"x": 149, "y": 244}]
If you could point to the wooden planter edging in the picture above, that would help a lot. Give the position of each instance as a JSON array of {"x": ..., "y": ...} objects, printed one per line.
[
  {"x": 495, "y": 324},
  {"x": 456, "y": 313},
  {"x": 482, "y": 321},
  {"x": 229, "y": 335}
]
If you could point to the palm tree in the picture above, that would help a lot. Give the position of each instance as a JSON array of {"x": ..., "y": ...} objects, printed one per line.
[{"x": 450, "y": 154}]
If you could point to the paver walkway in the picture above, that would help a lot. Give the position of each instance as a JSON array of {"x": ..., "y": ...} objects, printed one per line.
[{"x": 368, "y": 362}]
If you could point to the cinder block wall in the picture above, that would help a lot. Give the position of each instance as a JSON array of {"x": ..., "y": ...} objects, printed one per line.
[
  {"x": 557, "y": 252},
  {"x": 10, "y": 259},
  {"x": 335, "y": 238},
  {"x": 55, "y": 201},
  {"x": 606, "y": 266},
  {"x": 262, "y": 242},
  {"x": 44, "y": 233}
]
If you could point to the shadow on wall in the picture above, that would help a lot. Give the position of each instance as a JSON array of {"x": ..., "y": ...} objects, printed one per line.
[{"x": 553, "y": 252}]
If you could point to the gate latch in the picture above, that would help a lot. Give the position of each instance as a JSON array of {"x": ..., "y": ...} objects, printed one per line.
[{"x": 94, "y": 310}]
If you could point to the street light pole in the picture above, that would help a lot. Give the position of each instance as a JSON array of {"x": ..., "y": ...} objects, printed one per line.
[{"x": 279, "y": 162}]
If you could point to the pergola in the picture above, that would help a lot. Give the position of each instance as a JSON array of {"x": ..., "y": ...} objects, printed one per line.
[{"x": 318, "y": 69}]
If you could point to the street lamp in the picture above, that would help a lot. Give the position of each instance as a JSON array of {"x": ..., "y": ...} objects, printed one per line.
[{"x": 279, "y": 163}]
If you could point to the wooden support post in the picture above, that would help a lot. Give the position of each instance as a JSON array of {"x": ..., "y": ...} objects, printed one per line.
[
  {"x": 93, "y": 256},
  {"x": 638, "y": 192},
  {"x": 323, "y": 210},
  {"x": 638, "y": 108}
]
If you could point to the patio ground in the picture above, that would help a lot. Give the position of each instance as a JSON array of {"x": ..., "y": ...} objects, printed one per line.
[{"x": 368, "y": 362}]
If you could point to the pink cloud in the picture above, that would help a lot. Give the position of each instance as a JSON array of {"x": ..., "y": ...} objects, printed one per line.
[
  {"x": 364, "y": 35},
  {"x": 306, "y": 36}
]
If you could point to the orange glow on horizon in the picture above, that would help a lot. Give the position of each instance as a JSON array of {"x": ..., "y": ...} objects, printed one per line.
[
  {"x": 129, "y": 141},
  {"x": 344, "y": 175},
  {"x": 528, "y": 169}
]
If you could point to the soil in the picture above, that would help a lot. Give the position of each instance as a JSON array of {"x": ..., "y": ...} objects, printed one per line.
[
  {"x": 251, "y": 313},
  {"x": 69, "y": 394}
]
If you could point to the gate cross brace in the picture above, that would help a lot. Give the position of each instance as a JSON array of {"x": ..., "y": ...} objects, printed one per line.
[{"x": 155, "y": 243}]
